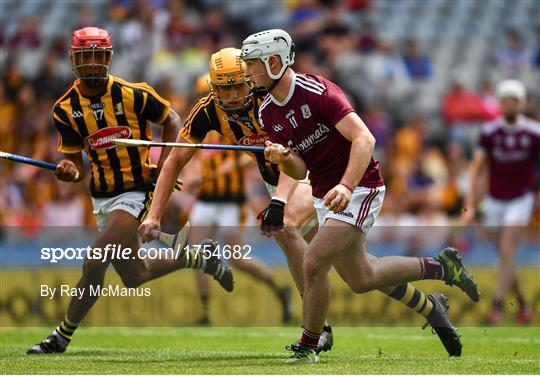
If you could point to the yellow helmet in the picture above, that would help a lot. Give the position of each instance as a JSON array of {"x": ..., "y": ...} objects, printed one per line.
[{"x": 227, "y": 73}]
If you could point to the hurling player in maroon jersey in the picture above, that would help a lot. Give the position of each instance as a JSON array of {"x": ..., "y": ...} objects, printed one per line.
[
  {"x": 508, "y": 149},
  {"x": 313, "y": 127}
]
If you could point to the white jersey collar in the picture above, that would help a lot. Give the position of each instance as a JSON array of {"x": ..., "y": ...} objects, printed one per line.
[
  {"x": 520, "y": 122},
  {"x": 289, "y": 96}
]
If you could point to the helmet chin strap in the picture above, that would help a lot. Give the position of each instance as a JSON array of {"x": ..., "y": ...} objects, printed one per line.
[{"x": 262, "y": 91}]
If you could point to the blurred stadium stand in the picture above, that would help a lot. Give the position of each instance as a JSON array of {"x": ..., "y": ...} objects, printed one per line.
[{"x": 462, "y": 46}]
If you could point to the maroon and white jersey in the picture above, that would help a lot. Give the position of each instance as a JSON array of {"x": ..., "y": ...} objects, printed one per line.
[
  {"x": 306, "y": 122},
  {"x": 511, "y": 151}
]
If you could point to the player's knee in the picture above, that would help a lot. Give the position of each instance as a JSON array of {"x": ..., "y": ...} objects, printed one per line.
[
  {"x": 359, "y": 286},
  {"x": 362, "y": 282},
  {"x": 285, "y": 240},
  {"x": 313, "y": 267}
]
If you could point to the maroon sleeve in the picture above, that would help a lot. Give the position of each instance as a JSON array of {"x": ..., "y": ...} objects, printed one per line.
[
  {"x": 485, "y": 141},
  {"x": 334, "y": 104}
]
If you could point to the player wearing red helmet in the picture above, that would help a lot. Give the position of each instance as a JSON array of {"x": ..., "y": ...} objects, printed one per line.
[
  {"x": 98, "y": 108},
  {"x": 91, "y": 55}
]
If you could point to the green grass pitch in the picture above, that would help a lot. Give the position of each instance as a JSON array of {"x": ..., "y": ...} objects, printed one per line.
[{"x": 261, "y": 351}]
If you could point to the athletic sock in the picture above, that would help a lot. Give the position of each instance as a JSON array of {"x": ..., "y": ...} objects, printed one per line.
[
  {"x": 412, "y": 298},
  {"x": 194, "y": 259},
  {"x": 431, "y": 268},
  {"x": 65, "y": 330},
  {"x": 309, "y": 339}
]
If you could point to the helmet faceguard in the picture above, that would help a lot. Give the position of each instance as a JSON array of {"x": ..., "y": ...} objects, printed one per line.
[
  {"x": 91, "y": 55},
  {"x": 227, "y": 78},
  {"x": 267, "y": 43}
]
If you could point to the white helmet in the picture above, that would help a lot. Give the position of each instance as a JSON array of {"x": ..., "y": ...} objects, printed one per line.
[
  {"x": 266, "y": 43},
  {"x": 511, "y": 89}
]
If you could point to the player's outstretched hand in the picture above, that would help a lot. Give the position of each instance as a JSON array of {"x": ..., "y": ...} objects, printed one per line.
[
  {"x": 146, "y": 227},
  {"x": 337, "y": 199},
  {"x": 276, "y": 153},
  {"x": 66, "y": 171}
]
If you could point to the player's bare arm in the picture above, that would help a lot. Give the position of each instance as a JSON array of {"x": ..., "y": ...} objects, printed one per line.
[
  {"x": 362, "y": 146},
  {"x": 71, "y": 168},
  {"x": 288, "y": 160},
  {"x": 285, "y": 187},
  {"x": 165, "y": 185},
  {"x": 477, "y": 168}
]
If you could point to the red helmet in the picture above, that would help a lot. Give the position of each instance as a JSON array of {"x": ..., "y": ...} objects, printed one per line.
[{"x": 91, "y": 55}]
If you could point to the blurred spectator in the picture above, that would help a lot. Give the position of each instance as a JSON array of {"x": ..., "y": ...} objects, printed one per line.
[
  {"x": 86, "y": 17},
  {"x": 119, "y": 10},
  {"x": 65, "y": 201},
  {"x": 536, "y": 51},
  {"x": 490, "y": 103},
  {"x": 454, "y": 189},
  {"x": 12, "y": 78},
  {"x": 308, "y": 19},
  {"x": 8, "y": 114},
  {"x": 409, "y": 140},
  {"x": 179, "y": 31},
  {"x": 388, "y": 73},
  {"x": 358, "y": 5},
  {"x": 139, "y": 39},
  {"x": 514, "y": 56},
  {"x": 27, "y": 35},
  {"x": 459, "y": 104},
  {"x": 345, "y": 64},
  {"x": 367, "y": 41},
  {"x": 462, "y": 111},
  {"x": 418, "y": 65},
  {"x": 51, "y": 80},
  {"x": 378, "y": 122},
  {"x": 214, "y": 31}
]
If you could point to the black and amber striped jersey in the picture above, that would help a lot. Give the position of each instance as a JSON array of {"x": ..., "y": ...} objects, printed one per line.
[
  {"x": 93, "y": 123},
  {"x": 240, "y": 129},
  {"x": 221, "y": 174}
]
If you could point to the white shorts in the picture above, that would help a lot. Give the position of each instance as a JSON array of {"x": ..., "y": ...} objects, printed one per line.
[
  {"x": 135, "y": 203},
  {"x": 363, "y": 209},
  {"x": 225, "y": 215},
  {"x": 514, "y": 212}
]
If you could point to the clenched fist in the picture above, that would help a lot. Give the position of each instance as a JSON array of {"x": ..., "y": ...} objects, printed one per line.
[
  {"x": 337, "y": 199},
  {"x": 276, "y": 153},
  {"x": 66, "y": 171}
]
